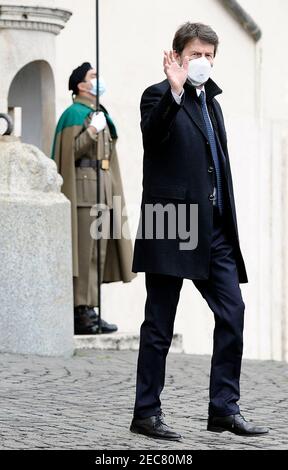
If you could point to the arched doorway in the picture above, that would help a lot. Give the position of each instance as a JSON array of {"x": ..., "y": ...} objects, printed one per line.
[{"x": 32, "y": 93}]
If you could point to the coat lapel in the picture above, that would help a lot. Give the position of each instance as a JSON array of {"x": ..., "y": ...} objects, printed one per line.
[
  {"x": 193, "y": 109},
  {"x": 221, "y": 129},
  {"x": 221, "y": 152}
]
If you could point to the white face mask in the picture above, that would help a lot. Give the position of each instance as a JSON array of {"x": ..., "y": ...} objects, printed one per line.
[
  {"x": 199, "y": 71},
  {"x": 102, "y": 86}
]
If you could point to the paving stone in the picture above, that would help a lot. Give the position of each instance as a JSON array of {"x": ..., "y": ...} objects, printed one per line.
[{"x": 86, "y": 402}]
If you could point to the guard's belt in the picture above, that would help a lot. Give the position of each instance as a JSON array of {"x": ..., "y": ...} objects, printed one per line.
[{"x": 87, "y": 163}]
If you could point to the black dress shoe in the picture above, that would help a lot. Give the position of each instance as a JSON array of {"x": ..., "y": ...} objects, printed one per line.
[
  {"x": 236, "y": 424},
  {"x": 83, "y": 325},
  {"x": 105, "y": 327},
  {"x": 154, "y": 426}
]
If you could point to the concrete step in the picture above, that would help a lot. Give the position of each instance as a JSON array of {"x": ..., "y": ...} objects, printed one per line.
[{"x": 120, "y": 341}]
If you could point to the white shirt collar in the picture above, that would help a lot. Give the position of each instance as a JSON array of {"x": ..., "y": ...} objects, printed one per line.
[{"x": 198, "y": 91}]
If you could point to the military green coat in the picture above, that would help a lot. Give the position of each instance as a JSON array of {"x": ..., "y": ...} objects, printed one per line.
[{"x": 71, "y": 129}]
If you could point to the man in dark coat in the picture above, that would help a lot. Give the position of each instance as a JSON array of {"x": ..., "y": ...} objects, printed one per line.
[{"x": 188, "y": 191}]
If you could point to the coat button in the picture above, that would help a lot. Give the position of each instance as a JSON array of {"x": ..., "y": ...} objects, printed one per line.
[
  {"x": 211, "y": 197},
  {"x": 210, "y": 169}
]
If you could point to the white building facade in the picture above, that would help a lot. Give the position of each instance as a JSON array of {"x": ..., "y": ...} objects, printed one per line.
[{"x": 36, "y": 61}]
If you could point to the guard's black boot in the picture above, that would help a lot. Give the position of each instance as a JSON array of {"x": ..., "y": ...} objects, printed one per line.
[
  {"x": 236, "y": 424},
  {"x": 105, "y": 327},
  {"x": 83, "y": 325}
]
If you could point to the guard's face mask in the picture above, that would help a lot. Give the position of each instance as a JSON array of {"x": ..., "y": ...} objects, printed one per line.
[
  {"x": 102, "y": 86},
  {"x": 199, "y": 71}
]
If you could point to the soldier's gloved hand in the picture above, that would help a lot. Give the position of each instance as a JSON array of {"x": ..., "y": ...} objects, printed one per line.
[{"x": 98, "y": 121}]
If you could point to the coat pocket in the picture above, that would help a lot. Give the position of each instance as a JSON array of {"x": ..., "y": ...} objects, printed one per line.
[
  {"x": 168, "y": 192},
  {"x": 86, "y": 187}
]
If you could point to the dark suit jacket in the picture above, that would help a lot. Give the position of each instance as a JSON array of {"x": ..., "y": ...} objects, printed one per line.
[{"x": 178, "y": 169}]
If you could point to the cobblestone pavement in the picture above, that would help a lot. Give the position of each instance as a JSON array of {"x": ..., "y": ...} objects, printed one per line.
[{"x": 86, "y": 402}]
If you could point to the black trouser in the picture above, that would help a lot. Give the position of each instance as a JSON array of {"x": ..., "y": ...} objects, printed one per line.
[{"x": 223, "y": 295}]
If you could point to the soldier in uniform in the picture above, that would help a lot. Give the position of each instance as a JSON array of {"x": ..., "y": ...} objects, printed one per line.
[{"x": 82, "y": 137}]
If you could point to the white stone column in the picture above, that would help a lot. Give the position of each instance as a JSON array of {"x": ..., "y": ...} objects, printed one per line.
[
  {"x": 285, "y": 247},
  {"x": 36, "y": 294},
  {"x": 28, "y": 65},
  {"x": 278, "y": 252}
]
